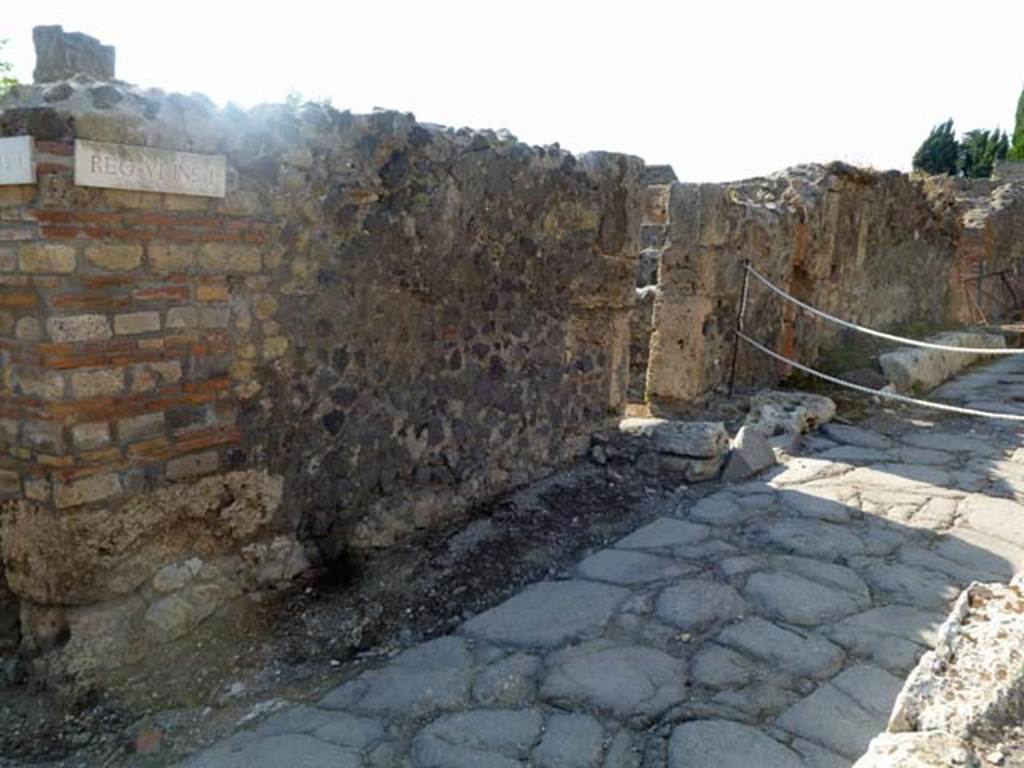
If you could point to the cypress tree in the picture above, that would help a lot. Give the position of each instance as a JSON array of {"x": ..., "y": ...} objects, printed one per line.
[
  {"x": 940, "y": 152},
  {"x": 1017, "y": 150},
  {"x": 979, "y": 151}
]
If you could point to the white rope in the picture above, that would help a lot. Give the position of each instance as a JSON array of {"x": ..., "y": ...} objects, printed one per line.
[
  {"x": 878, "y": 392},
  {"x": 879, "y": 334}
]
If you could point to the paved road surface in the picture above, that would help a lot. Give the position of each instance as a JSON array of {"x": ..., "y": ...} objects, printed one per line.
[{"x": 769, "y": 625}]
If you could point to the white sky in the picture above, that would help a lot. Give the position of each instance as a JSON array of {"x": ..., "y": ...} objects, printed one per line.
[{"x": 721, "y": 90}]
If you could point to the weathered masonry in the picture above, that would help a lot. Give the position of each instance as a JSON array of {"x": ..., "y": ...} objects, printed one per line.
[
  {"x": 372, "y": 325},
  {"x": 236, "y": 342},
  {"x": 881, "y": 249}
]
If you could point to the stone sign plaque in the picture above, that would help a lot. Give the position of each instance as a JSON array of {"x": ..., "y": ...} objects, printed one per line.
[
  {"x": 120, "y": 166},
  {"x": 17, "y": 166}
]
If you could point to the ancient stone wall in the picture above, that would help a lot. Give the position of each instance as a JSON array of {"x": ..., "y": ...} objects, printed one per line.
[
  {"x": 881, "y": 249},
  {"x": 381, "y": 323},
  {"x": 656, "y": 181},
  {"x": 985, "y": 280},
  {"x": 1008, "y": 170}
]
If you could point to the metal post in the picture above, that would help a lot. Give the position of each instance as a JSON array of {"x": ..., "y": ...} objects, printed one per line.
[
  {"x": 981, "y": 276},
  {"x": 1009, "y": 287},
  {"x": 739, "y": 326}
]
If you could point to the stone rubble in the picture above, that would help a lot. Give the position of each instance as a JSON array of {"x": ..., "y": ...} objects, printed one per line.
[
  {"x": 774, "y": 413},
  {"x": 750, "y": 454},
  {"x": 694, "y": 449}
]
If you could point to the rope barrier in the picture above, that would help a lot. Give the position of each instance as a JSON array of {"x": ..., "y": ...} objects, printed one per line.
[
  {"x": 879, "y": 334},
  {"x": 878, "y": 392}
]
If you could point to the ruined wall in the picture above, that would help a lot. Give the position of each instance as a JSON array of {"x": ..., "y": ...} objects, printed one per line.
[
  {"x": 380, "y": 324},
  {"x": 986, "y": 276},
  {"x": 881, "y": 249},
  {"x": 1008, "y": 170},
  {"x": 656, "y": 181}
]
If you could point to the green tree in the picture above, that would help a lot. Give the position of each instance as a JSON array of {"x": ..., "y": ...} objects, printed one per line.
[
  {"x": 6, "y": 79},
  {"x": 1017, "y": 151},
  {"x": 939, "y": 152},
  {"x": 979, "y": 150}
]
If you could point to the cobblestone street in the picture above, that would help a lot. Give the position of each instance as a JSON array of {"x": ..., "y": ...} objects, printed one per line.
[{"x": 771, "y": 624}]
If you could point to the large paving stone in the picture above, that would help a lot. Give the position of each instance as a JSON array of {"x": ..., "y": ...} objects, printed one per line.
[
  {"x": 245, "y": 750},
  {"x": 800, "y": 654},
  {"x": 816, "y": 756},
  {"x": 734, "y": 566},
  {"x": 477, "y": 739},
  {"x": 903, "y": 478},
  {"x": 629, "y": 568},
  {"x": 969, "y": 481},
  {"x": 893, "y": 636},
  {"x": 810, "y": 538},
  {"x": 830, "y": 717},
  {"x": 824, "y": 503},
  {"x": 509, "y": 682},
  {"x": 798, "y": 600},
  {"x": 1001, "y": 518},
  {"x": 716, "y": 667},
  {"x": 886, "y": 497},
  {"x": 862, "y": 438},
  {"x": 874, "y": 689},
  {"x": 922, "y": 456},
  {"x": 724, "y": 744},
  {"x": 804, "y": 470},
  {"x": 664, "y": 533},
  {"x": 570, "y": 741},
  {"x": 934, "y": 515},
  {"x": 919, "y": 557},
  {"x": 695, "y": 603},
  {"x": 341, "y": 728},
  {"x": 548, "y": 614},
  {"x": 907, "y": 585},
  {"x": 854, "y": 454},
  {"x": 432, "y": 676},
  {"x": 757, "y": 701},
  {"x": 830, "y": 574},
  {"x": 627, "y": 682},
  {"x": 721, "y": 509},
  {"x": 981, "y": 554},
  {"x": 624, "y": 751},
  {"x": 814, "y": 444},
  {"x": 948, "y": 441}
]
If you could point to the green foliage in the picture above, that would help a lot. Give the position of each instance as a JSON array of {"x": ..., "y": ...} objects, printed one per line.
[
  {"x": 1017, "y": 151},
  {"x": 940, "y": 152},
  {"x": 6, "y": 80},
  {"x": 973, "y": 156},
  {"x": 979, "y": 151}
]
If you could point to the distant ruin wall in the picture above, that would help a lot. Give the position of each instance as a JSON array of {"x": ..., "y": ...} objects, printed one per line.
[
  {"x": 880, "y": 249},
  {"x": 380, "y": 324},
  {"x": 989, "y": 240},
  {"x": 1008, "y": 170}
]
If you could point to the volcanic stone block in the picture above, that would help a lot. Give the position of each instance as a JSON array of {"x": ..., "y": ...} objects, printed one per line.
[
  {"x": 750, "y": 454},
  {"x": 61, "y": 55}
]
